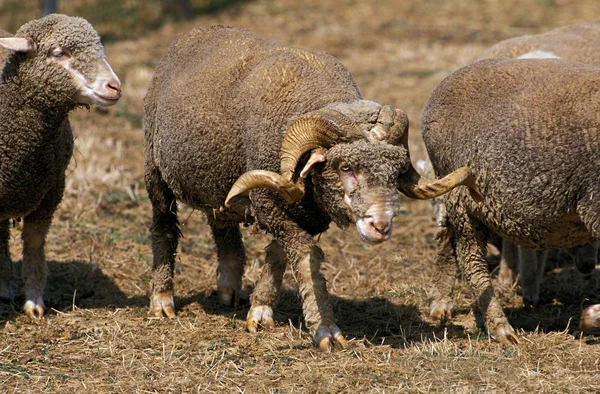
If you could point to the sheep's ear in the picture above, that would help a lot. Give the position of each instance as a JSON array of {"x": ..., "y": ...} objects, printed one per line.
[
  {"x": 316, "y": 156},
  {"x": 18, "y": 44}
]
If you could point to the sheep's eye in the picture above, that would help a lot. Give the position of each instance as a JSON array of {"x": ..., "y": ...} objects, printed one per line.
[
  {"x": 60, "y": 53},
  {"x": 345, "y": 168}
]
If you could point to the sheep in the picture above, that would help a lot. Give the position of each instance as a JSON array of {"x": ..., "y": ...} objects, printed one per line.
[
  {"x": 52, "y": 65},
  {"x": 528, "y": 129},
  {"x": 578, "y": 42},
  {"x": 225, "y": 110}
]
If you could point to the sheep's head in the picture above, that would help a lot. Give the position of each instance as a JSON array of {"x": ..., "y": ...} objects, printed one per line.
[
  {"x": 65, "y": 60},
  {"x": 356, "y": 171}
]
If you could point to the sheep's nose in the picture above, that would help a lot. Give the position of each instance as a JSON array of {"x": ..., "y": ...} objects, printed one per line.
[
  {"x": 381, "y": 226},
  {"x": 115, "y": 85}
]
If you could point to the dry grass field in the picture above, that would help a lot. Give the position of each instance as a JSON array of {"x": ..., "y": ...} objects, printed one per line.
[{"x": 97, "y": 335}]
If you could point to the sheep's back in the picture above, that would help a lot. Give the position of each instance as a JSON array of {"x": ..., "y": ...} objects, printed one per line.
[
  {"x": 529, "y": 131},
  {"x": 221, "y": 100},
  {"x": 578, "y": 42}
]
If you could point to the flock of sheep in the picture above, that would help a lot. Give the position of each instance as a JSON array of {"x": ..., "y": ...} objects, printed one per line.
[{"x": 248, "y": 130}]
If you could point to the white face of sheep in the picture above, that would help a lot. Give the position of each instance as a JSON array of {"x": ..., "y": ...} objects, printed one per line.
[
  {"x": 78, "y": 66},
  {"x": 367, "y": 173},
  {"x": 99, "y": 87}
]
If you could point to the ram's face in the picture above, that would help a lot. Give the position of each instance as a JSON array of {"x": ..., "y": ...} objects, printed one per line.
[{"x": 358, "y": 183}]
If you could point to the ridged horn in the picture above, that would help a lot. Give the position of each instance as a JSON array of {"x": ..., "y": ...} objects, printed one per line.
[
  {"x": 318, "y": 129},
  {"x": 292, "y": 192},
  {"x": 391, "y": 127},
  {"x": 422, "y": 189}
]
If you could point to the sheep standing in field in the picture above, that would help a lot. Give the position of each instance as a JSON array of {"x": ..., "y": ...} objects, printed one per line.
[
  {"x": 226, "y": 103},
  {"x": 528, "y": 129},
  {"x": 54, "y": 65},
  {"x": 580, "y": 43}
]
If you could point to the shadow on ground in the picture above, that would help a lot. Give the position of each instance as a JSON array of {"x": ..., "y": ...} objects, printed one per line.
[{"x": 71, "y": 283}]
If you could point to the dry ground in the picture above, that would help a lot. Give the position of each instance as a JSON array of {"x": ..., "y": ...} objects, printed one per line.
[{"x": 97, "y": 336}]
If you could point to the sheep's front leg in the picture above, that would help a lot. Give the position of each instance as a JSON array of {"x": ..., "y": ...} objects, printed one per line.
[
  {"x": 34, "y": 270},
  {"x": 165, "y": 237},
  {"x": 267, "y": 288},
  {"x": 305, "y": 258},
  {"x": 318, "y": 314},
  {"x": 232, "y": 258},
  {"x": 471, "y": 248},
  {"x": 6, "y": 273}
]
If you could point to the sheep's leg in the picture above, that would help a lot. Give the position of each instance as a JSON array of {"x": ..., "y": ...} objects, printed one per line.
[
  {"x": 165, "y": 237},
  {"x": 471, "y": 248},
  {"x": 531, "y": 270},
  {"x": 508, "y": 263},
  {"x": 6, "y": 273},
  {"x": 267, "y": 288},
  {"x": 585, "y": 257},
  {"x": 589, "y": 211},
  {"x": 305, "y": 258},
  {"x": 34, "y": 270},
  {"x": 232, "y": 258},
  {"x": 445, "y": 275},
  {"x": 318, "y": 313}
]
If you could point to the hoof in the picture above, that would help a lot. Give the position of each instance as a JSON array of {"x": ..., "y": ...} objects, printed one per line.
[
  {"x": 503, "y": 332},
  {"x": 590, "y": 318},
  {"x": 259, "y": 316},
  {"x": 162, "y": 303},
  {"x": 329, "y": 337},
  {"x": 228, "y": 296},
  {"x": 441, "y": 311},
  {"x": 35, "y": 309}
]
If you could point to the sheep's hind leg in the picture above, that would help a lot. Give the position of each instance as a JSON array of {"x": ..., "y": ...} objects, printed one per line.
[
  {"x": 471, "y": 248},
  {"x": 165, "y": 237},
  {"x": 589, "y": 211},
  {"x": 267, "y": 288},
  {"x": 532, "y": 264},
  {"x": 444, "y": 275},
  {"x": 509, "y": 263},
  {"x": 232, "y": 258},
  {"x": 6, "y": 273}
]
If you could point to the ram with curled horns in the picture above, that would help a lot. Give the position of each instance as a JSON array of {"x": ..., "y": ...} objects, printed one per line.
[{"x": 250, "y": 131}]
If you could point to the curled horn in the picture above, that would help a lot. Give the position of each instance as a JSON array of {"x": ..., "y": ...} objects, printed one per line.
[
  {"x": 391, "y": 127},
  {"x": 422, "y": 189},
  {"x": 318, "y": 129}
]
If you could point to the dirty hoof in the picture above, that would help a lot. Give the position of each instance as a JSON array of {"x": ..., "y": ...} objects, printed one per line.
[
  {"x": 590, "y": 318},
  {"x": 505, "y": 279},
  {"x": 259, "y": 316},
  {"x": 228, "y": 296},
  {"x": 162, "y": 303},
  {"x": 502, "y": 332},
  {"x": 441, "y": 310},
  {"x": 35, "y": 308},
  {"x": 329, "y": 337}
]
